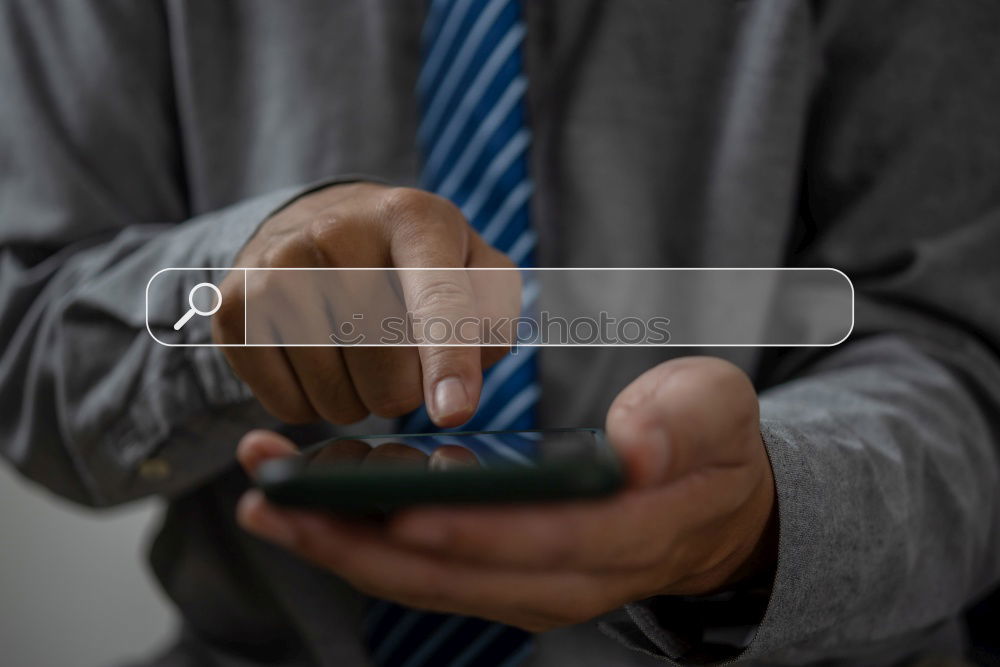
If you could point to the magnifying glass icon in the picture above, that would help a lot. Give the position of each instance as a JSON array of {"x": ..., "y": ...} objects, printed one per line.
[{"x": 194, "y": 310}]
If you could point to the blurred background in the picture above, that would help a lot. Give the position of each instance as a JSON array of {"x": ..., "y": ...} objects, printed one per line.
[{"x": 76, "y": 587}]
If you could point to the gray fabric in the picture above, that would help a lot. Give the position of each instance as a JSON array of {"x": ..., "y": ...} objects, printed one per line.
[{"x": 859, "y": 134}]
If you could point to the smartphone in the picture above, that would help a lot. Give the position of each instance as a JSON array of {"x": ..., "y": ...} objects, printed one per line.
[{"x": 378, "y": 474}]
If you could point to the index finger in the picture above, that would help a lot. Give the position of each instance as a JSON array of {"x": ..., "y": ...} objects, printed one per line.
[{"x": 441, "y": 301}]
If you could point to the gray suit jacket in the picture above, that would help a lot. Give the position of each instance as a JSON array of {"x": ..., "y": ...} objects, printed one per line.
[{"x": 859, "y": 134}]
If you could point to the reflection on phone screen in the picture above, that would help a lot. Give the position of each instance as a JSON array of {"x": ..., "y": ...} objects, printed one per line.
[{"x": 456, "y": 450}]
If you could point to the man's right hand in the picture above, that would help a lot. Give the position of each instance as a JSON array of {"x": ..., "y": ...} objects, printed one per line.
[{"x": 367, "y": 225}]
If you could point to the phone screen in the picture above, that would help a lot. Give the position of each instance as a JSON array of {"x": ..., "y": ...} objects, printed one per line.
[
  {"x": 378, "y": 473},
  {"x": 444, "y": 452}
]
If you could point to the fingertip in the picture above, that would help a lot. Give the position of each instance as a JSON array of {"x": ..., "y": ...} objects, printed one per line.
[
  {"x": 452, "y": 401},
  {"x": 259, "y": 445}
]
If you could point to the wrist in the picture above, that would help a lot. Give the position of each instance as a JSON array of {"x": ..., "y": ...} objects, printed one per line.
[{"x": 746, "y": 554}]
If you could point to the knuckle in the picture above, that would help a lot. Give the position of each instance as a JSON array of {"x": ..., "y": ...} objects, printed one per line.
[
  {"x": 443, "y": 360},
  {"x": 405, "y": 203},
  {"x": 293, "y": 250},
  {"x": 327, "y": 232},
  {"x": 282, "y": 254},
  {"x": 321, "y": 229},
  {"x": 418, "y": 212},
  {"x": 440, "y": 295}
]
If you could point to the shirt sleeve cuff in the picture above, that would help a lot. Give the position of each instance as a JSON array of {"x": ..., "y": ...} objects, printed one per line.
[{"x": 731, "y": 625}]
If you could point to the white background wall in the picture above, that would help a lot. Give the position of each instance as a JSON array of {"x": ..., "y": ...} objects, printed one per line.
[{"x": 75, "y": 590}]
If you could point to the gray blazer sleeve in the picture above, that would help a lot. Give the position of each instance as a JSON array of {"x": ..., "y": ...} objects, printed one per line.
[
  {"x": 92, "y": 203},
  {"x": 886, "y": 450}
]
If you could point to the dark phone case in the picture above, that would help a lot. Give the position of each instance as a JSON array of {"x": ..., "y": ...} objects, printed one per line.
[{"x": 369, "y": 490}]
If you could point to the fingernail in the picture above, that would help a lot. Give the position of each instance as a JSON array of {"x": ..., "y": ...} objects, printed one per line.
[
  {"x": 257, "y": 517},
  {"x": 450, "y": 398}
]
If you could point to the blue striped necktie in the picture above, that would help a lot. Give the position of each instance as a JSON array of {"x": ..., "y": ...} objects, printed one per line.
[{"x": 474, "y": 140}]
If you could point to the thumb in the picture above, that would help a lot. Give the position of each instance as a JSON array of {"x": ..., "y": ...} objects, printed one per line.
[
  {"x": 439, "y": 297},
  {"x": 683, "y": 415},
  {"x": 641, "y": 440}
]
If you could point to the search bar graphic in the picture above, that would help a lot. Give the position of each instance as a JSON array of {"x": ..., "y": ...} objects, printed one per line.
[
  {"x": 194, "y": 309},
  {"x": 581, "y": 307}
]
